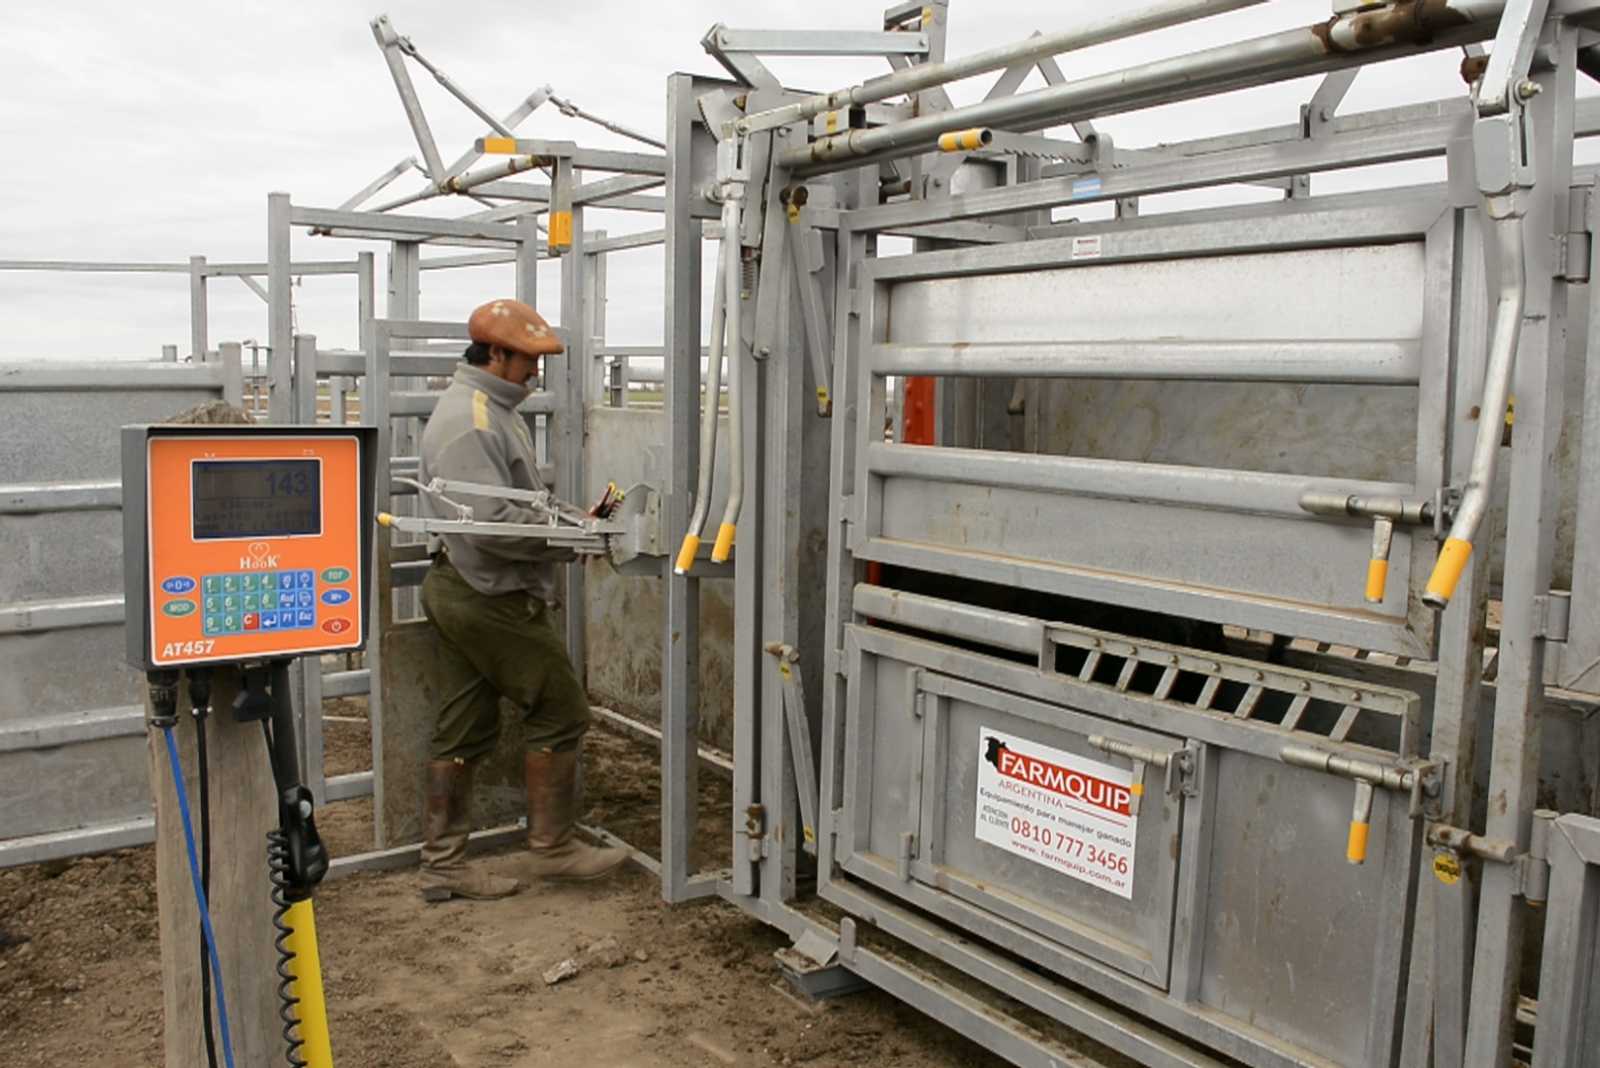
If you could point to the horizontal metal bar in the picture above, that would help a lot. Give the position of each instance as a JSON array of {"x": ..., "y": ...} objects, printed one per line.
[
  {"x": 404, "y": 225},
  {"x": 409, "y": 856},
  {"x": 583, "y": 159},
  {"x": 1390, "y": 362},
  {"x": 603, "y": 192},
  {"x": 951, "y": 619},
  {"x": 80, "y": 841},
  {"x": 635, "y": 854},
  {"x": 719, "y": 762},
  {"x": 347, "y": 683},
  {"x": 35, "y": 616},
  {"x": 821, "y": 42},
  {"x": 413, "y": 329},
  {"x": 28, "y": 499},
  {"x": 1389, "y": 144},
  {"x": 1259, "y": 492},
  {"x": 96, "y": 268},
  {"x": 109, "y": 377},
  {"x": 354, "y": 365},
  {"x": 644, "y": 239},
  {"x": 410, "y": 573},
  {"x": 46, "y": 732},
  {"x": 305, "y": 267},
  {"x": 345, "y": 787},
  {"x": 414, "y": 403},
  {"x": 367, "y": 233},
  {"x": 477, "y": 259}
]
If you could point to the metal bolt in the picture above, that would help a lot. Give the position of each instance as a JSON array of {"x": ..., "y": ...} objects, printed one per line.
[
  {"x": 1528, "y": 89},
  {"x": 305, "y": 809}
]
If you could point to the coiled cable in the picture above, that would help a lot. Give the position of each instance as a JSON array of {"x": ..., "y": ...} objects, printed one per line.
[{"x": 288, "y": 1003}]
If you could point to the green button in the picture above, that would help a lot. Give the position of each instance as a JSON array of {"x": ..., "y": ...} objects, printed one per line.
[
  {"x": 269, "y": 600},
  {"x": 336, "y": 574},
  {"x": 178, "y": 608},
  {"x": 249, "y": 584},
  {"x": 252, "y": 601}
]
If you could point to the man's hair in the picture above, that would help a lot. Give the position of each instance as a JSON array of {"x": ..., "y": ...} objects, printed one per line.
[{"x": 476, "y": 354}]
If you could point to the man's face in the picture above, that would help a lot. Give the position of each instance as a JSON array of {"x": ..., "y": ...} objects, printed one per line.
[{"x": 514, "y": 367}]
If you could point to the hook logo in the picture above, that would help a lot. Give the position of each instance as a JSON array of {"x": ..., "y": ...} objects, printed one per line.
[{"x": 260, "y": 558}]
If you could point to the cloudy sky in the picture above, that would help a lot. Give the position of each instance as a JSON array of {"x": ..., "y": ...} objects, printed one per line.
[{"x": 154, "y": 132}]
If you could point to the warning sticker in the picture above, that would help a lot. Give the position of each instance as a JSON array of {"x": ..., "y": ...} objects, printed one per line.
[
  {"x": 1086, "y": 248},
  {"x": 1069, "y": 813}
]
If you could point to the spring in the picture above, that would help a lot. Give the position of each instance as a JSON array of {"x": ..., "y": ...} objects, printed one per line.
[{"x": 278, "y": 872}]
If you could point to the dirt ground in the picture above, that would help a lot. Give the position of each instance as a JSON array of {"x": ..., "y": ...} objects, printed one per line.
[{"x": 418, "y": 986}]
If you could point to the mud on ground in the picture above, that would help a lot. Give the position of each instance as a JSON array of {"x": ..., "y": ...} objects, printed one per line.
[{"x": 462, "y": 984}]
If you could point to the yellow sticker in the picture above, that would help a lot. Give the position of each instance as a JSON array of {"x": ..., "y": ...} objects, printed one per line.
[
  {"x": 831, "y": 122},
  {"x": 783, "y": 669},
  {"x": 793, "y": 211},
  {"x": 1447, "y": 868}
]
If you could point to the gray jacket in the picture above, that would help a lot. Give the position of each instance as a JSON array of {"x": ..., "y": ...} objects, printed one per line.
[{"x": 476, "y": 435}]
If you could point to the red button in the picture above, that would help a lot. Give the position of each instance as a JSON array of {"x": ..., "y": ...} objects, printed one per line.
[
  {"x": 336, "y": 626},
  {"x": 251, "y": 621}
]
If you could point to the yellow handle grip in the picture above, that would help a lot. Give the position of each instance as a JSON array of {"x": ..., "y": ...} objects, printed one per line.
[
  {"x": 1355, "y": 850},
  {"x": 724, "y": 544},
  {"x": 1377, "y": 579},
  {"x": 499, "y": 146},
  {"x": 385, "y": 519},
  {"x": 306, "y": 967},
  {"x": 964, "y": 140},
  {"x": 1447, "y": 571},
  {"x": 691, "y": 545}
]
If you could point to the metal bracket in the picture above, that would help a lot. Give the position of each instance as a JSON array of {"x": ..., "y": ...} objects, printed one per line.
[
  {"x": 755, "y": 832},
  {"x": 1573, "y": 253},
  {"x": 1551, "y": 615}
]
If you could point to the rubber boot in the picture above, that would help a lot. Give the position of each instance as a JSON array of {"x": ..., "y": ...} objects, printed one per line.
[
  {"x": 446, "y": 823},
  {"x": 556, "y": 851}
]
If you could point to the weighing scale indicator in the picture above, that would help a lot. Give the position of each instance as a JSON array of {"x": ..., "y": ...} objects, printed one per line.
[{"x": 255, "y": 545}]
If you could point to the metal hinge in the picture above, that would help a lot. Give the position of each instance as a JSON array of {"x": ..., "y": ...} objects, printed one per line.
[
  {"x": 908, "y": 850},
  {"x": 1551, "y": 613},
  {"x": 755, "y": 829},
  {"x": 1572, "y": 256}
]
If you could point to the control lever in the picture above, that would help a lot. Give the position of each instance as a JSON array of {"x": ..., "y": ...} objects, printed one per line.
[
  {"x": 1416, "y": 780},
  {"x": 1384, "y": 512}
]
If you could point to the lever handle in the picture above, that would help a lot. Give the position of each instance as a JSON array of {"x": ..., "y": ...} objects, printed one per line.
[
  {"x": 1355, "y": 850},
  {"x": 1378, "y": 565}
]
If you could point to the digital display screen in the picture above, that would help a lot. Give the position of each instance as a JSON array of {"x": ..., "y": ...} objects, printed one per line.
[{"x": 257, "y": 498}]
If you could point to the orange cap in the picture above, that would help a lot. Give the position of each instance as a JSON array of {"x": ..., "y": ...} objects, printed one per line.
[{"x": 513, "y": 325}]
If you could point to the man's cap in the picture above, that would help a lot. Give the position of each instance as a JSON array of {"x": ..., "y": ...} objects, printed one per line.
[{"x": 513, "y": 325}]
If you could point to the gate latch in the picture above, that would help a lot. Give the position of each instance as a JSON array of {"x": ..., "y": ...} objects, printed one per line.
[{"x": 1177, "y": 763}]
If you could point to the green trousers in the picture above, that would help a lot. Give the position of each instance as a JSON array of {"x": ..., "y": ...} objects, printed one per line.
[{"x": 494, "y": 647}]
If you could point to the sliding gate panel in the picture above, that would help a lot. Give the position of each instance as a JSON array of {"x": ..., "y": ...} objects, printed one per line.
[{"x": 1320, "y": 337}]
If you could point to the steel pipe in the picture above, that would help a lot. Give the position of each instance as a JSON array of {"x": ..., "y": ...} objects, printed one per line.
[
  {"x": 1091, "y": 31},
  {"x": 733, "y": 284},
  {"x": 1347, "y": 40},
  {"x": 1506, "y": 215},
  {"x": 708, "y": 420}
]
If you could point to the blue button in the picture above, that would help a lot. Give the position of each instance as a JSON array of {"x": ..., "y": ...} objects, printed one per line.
[
  {"x": 305, "y": 598},
  {"x": 336, "y": 597},
  {"x": 286, "y": 580},
  {"x": 306, "y": 579},
  {"x": 269, "y": 621},
  {"x": 178, "y": 584},
  {"x": 306, "y": 618},
  {"x": 213, "y": 583},
  {"x": 285, "y": 618}
]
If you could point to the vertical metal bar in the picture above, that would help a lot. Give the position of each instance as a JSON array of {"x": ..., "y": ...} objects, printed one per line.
[
  {"x": 388, "y": 42},
  {"x": 680, "y": 636},
  {"x": 1530, "y": 549},
  {"x": 1564, "y": 1037},
  {"x": 231, "y": 354},
  {"x": 596, "y": 301},
  {"x": 527, "y": 261},
  {"x": 405, "y": 302},
  {"x": 1581, "y": 657},
  {"x": 375, "y": 411},
  {"x": 574, "y": 401},
  {"x": 280, "y": 310},
  {"x": 198, "y": 311},
  {"x": 306, "y": 689},
  {"x": 366, "y": 300},
  {"x": 169, "y": 354}
]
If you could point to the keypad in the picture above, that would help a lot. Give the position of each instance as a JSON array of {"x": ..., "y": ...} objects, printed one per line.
[{"x": 257, "y": 601}]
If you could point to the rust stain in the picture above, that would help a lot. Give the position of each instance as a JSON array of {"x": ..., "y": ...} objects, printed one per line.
[{"x": 1413, "y": 22}]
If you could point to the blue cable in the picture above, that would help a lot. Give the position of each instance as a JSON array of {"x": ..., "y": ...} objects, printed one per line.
[{"x": 200, "y": 894}]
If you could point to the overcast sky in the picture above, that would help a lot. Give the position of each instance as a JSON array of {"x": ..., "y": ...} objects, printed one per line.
[{"x": 155, "y": 131}]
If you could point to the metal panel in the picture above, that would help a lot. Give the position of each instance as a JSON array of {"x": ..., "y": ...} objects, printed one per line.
[
  {"x": 1568, "y": 1032},
  {"x": 1153, "y": 465}
]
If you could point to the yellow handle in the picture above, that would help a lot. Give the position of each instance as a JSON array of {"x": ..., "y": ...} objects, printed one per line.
[
  {"x": 1447, "y": 569},
  {"x": 691, "y": 545},
  {"x": 963, "y": 140},
  {"x": 724, "y": 544},
  {"x": 560, "y": 229},
  {"x": 1355, "y": 850},
  {"x": 307, "y": 971},
  {"x": 1377, "y": 579},
  {"x": 499, "y": 146},
  {"x": 385, "y": 519}
]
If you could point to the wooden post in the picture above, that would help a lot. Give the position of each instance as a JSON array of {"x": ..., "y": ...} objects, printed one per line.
[{"x": 243, "y": 809}]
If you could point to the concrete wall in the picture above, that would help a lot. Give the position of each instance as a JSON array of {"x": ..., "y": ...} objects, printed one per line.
[{"x": 626, "y": 446}]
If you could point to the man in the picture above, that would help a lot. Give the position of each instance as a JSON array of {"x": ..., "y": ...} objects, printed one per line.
[{"x": 489, "y": 597}]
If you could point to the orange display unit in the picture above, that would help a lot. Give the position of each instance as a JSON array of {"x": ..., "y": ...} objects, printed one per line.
[{"x": 245, "y": 543}]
